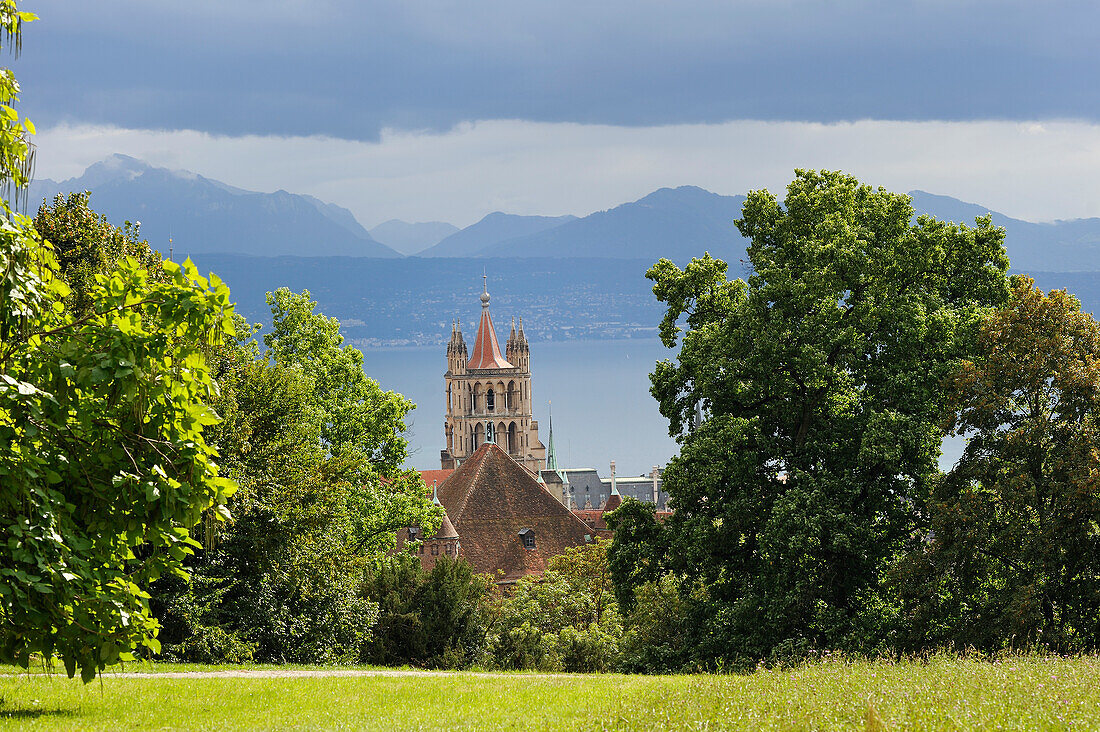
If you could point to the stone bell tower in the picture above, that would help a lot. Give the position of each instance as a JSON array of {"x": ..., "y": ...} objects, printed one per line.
[{"x": 489, "y": 395}]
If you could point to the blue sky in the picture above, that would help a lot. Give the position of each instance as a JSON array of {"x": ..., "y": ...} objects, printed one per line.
[{"x": 324, "y": 75}]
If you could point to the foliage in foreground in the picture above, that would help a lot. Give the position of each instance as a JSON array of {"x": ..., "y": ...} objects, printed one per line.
[{"x": 103, "y": 462}]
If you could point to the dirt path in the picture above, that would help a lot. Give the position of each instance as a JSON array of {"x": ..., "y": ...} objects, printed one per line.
[{"x": 294, "y": 673}]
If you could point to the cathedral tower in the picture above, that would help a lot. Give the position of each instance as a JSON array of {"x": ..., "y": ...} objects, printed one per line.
[{"x": 489, "y": 395}]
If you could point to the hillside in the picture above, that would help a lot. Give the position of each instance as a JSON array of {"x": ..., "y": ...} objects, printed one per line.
[{"x": 1061, "y": 246}]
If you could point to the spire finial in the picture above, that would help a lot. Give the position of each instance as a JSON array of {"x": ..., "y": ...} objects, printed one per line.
[
  {"x": 435, "y": 492},
  {"x": 551, "y": 455},
  {"x": 484, "y": 289}
]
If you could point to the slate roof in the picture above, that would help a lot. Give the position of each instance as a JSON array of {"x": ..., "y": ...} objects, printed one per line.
[
  {"x": 490, "y": 498},
  {"x": 486, "y": 353}
]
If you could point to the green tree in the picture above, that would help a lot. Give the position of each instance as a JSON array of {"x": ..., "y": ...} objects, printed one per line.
[
  {"x": 103, "y": 465},
  {"x": 86, "y": 245},
  {"x": 282, "y": 580},
  {"x": 353, "y": 413},
  {"x": 361, "y": 427},
  {"x": 565, "y": 620},
  {"x": 637, "y": 553},
  {"x": 1013, "y": 559},
  {"x": 434, "y": 619},
  {"x": 817, "y": 382}
]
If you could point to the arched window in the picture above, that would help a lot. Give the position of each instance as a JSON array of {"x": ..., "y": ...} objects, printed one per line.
[
  {"x": 512, "y": 446},
  {"x": 478, "y": 435},
  {"x": 477, "y": 396},
  {"x": 490, "y": 400},
  {"x": 502, "y": 435},
  {"x": 511, "y": 403}
]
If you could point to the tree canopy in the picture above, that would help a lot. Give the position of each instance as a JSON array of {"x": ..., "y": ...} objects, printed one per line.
[{"x": 1013, "y": 553}]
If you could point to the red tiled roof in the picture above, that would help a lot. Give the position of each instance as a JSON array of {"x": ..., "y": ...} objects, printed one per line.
[
  {"x": 437, "y": 475},
  {"x": 490, "y": 498},
  {"x": 486, "y": 353}
]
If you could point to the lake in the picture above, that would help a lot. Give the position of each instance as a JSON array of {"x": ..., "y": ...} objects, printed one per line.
[{"x": 600, "y": 391}]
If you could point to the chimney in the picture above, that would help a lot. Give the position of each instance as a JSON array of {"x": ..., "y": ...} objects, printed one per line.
[
  {"x": 656, "y": 472},
  {"x": 614, "y": 487}
]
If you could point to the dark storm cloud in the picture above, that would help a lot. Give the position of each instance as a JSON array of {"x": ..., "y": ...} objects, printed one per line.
[{"x": 348, "y": 69}]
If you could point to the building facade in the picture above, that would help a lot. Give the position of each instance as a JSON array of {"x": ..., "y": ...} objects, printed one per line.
[{"x": 489, "y": 396}]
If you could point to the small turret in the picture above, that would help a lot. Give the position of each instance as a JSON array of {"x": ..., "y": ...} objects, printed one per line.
[
  {"x": 456, "y": 349},
  {"x": 519, "y": 350}
]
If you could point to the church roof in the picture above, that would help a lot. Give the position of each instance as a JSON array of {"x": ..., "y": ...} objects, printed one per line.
[
  {"x": 486, "y": 354},
  {"x": 490, "y": 499}
]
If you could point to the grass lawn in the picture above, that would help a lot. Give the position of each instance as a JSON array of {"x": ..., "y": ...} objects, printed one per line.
[{"x": 944, "y": 693}]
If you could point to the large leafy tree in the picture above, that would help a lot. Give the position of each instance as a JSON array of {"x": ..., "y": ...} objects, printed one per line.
[
  {"x": 361, "y": 428},
  {"x": 103, "y": 464},
  {"x": 316, "y": 448},
  {"x": 1013, "y": 558},
  {"x": 806, "y": 402}
]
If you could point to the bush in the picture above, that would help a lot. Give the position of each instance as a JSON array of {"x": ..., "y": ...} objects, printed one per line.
[{"x": 433, "y": 619}]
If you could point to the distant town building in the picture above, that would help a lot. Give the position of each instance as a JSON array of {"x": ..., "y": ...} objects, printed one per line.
[
  {"x": 489, "y": 396},
  {"x": 585, "y": 489}
]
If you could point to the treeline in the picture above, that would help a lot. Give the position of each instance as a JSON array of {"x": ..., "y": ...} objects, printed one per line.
[
  {"x": 172, "y": 485},
  {"x": 206, "y": 498}
]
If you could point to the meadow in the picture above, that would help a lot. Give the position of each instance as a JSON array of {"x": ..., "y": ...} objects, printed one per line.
[{"x": 939, "y": 693}]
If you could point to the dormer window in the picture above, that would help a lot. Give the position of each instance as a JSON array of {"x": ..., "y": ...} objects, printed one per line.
[{"x": 528, "y": 537}]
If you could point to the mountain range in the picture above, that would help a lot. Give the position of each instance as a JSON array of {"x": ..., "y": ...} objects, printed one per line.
[{"x": 202, "y": 215}]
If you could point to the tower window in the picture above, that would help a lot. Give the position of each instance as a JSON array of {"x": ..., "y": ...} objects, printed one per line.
[{"x": 490, "y": 400}]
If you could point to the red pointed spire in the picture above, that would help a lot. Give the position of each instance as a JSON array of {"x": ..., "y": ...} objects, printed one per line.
[{"x": 486, "y": 353}]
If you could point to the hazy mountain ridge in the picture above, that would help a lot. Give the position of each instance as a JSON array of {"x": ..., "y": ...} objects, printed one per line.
[
  {"x": 475, "y": 239},
  {"x": 202, "y": 215},
  {"x": 1071, "y": 245},
  {"x": 412, "y": 238},
  {"x": 677, "y": 223}
]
